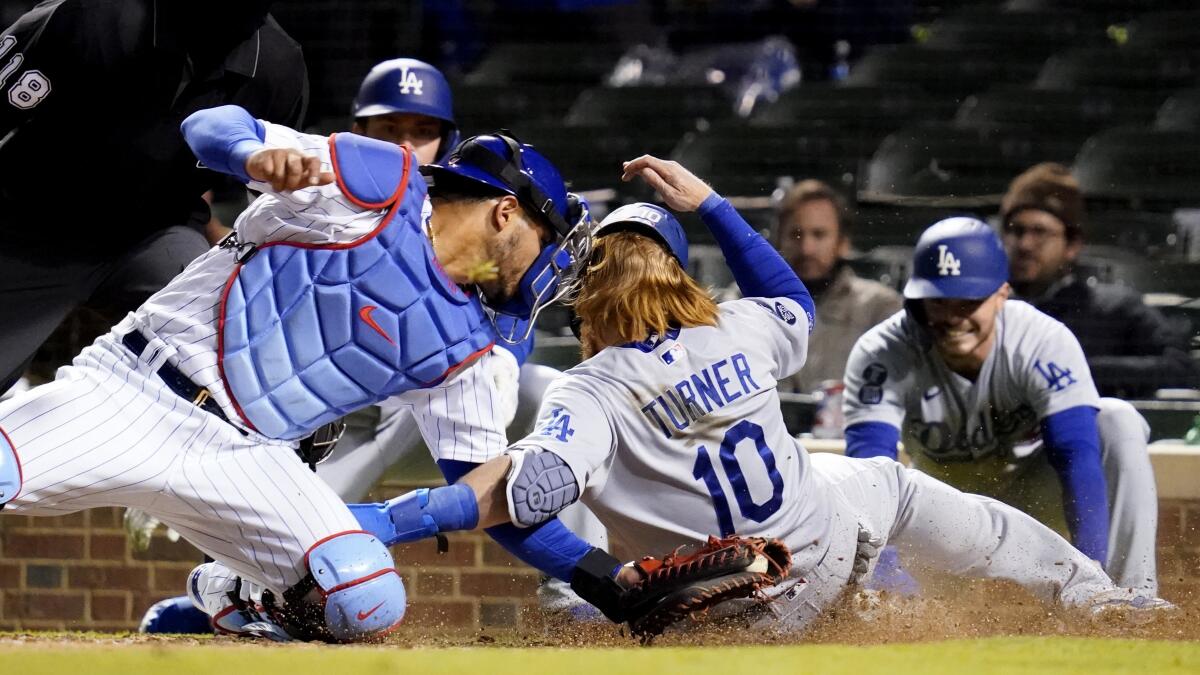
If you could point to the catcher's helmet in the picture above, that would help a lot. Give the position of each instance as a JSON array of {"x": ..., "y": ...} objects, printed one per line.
[
  {"x": 409, "y": 86},
  {"x": 957, "y": 258},
  {"x": 517, "y": 169},
  {"x": 654, "y": 222}
]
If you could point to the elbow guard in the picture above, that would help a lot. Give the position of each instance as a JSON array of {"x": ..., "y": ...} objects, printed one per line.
[{"x": 540, "y": 484}]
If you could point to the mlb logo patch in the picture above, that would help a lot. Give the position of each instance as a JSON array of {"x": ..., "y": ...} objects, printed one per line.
[
  {"x": 785, "y": 314},
  {"x": 672, "y": 354}
]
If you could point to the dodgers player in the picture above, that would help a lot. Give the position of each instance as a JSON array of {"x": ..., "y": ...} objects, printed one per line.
[
  {"x": 340, "y": 288},
  {"x": 994, "y": 397},
  {"x": 671, "y": 430}
]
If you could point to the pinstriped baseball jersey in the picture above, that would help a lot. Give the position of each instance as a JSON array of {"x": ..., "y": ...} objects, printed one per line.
[
  {"x": 679, "y": 438},
  {"x": 975, "y": 435},
  {"x": 109, "y": 432}
]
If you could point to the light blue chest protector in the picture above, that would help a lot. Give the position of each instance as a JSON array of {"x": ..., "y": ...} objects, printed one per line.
[{"x": 311, "y": 332}]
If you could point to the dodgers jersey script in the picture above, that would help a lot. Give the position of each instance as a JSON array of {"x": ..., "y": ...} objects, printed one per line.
[
  {"x": 728, "y": 464},
  {"x": 976, "y": 435}
]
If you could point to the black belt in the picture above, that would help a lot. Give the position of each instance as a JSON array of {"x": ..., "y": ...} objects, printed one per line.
[{"x": 179, "y": 383}]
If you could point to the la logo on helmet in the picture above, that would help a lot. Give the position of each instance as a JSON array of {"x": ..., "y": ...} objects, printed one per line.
[
  {"x": 409, "y": 82},
  {"x": 947, "y": 265}
]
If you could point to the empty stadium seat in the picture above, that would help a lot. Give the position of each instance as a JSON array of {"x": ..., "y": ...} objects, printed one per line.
[
  {"x": 1143, "y": 164},
  {"x": 879, "y": 109},
  {"x": 1070, "y": 112},
  {"x": 740, "y": 160},
  {"x": 546, "y": 63},
  {"x": 1119, "y": 69},
  {"x": 1143, "y": 232},
  {"x": 958, "y": 166},
  {"x": 1112, "y": 10},
  {"x": 994, "y": 27},
  {"x": 890, "y": 225},
  {"x": 487, "y": 107},
  {"x": 1165, "y": 30},
  {"x": 949, "y": 72},
  {"x": 589, "y": 157},
  {"x": 1181, "y": 112},
  {"x": 672, "y": 109}
]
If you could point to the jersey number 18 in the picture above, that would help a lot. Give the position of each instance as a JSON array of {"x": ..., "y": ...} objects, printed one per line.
[{"x": 705, "y": 471}]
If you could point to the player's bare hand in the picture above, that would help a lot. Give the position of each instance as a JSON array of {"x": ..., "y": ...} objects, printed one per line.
[
  {"x": 680, "y": 189},
  {"x": 287, "y": 169}
]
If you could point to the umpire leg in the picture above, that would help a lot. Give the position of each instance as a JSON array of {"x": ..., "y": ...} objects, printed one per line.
[{"x": 1132, "y": 495}]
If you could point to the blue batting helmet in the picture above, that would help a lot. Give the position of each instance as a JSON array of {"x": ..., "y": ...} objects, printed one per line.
[
  {"x": 409, "y": 86},
  {"x": 650, "y": 220},
  {"x": 957, "y": 258}
]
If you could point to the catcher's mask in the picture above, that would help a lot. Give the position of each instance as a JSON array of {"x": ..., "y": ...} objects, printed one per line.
[{"x": 517, "y": 169}]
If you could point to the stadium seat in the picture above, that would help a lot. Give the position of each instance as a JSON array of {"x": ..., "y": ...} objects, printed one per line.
[
  {"x": 1119, "y": 69},
  {"x": 949, "y": 72},
  {"x": 954, "y": 165},
  {"x": 1164, "y": 30},
  {"x": 545, "y": 63},
  {"x": 1077, "y": 113},
  {"x": 1181, "y": 112},
  {"x": 1143, "y": 164},
  {"x": 874, "y": 109},
  {"x": 1143, "y": 232},
  {"x": 487, "y": 107},
  {"x": 884, "y": 225},
  {"x": 590, "y": 157},
  {"x": 1046, "y": 30},
  {"x": 743, "y": 161},
  {"x": 670, "y": 109},
  {"x": 1110, "y": 10}
]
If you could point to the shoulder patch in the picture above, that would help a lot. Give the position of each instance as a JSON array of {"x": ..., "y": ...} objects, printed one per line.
[
  {"x": 785, "y": 314},
  {"x": 371, "y": 173}
]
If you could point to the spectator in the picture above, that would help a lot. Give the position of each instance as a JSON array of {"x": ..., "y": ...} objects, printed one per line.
[
  {"x": 1131, "y": 348},
  {"x": 813, "y": 236},
  {"x": 107, "y": 84}
]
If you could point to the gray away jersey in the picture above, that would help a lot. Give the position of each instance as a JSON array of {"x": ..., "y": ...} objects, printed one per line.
[
  {"x": 974, "y": 435},
  {"x": 681, "y": 437}
]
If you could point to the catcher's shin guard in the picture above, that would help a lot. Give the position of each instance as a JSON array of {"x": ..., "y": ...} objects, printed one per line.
[{"x": 362, "y": 595}]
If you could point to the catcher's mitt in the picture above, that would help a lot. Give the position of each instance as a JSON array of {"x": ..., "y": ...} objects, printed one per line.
[{"x": 693, "y": 578}]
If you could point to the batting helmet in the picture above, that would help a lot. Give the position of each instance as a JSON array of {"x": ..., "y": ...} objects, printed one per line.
[
  {"x": 409, "y": 86},
  {"x": 650, "y": 220},
  {"x": 957, "y": 258}
]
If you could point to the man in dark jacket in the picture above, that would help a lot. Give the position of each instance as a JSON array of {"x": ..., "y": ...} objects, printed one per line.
[
  {"x": 105, "y": 85},
  {"x": 1131, "y": 348}
]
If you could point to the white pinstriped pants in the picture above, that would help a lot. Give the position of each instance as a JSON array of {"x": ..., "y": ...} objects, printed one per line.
[{"x": 108, "y": 432}]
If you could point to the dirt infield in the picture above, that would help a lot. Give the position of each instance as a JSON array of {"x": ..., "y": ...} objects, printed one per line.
[{"x": 962, "y": 610}]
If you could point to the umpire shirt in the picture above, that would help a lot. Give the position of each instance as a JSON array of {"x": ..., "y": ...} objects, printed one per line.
[{"x": 92, "y": 93}]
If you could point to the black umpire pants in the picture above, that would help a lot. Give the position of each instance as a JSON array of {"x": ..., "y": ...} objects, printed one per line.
[{"x": 37, "y": 294}]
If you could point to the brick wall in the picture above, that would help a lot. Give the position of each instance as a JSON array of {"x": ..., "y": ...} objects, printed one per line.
[{"x": 78, "y": 572}]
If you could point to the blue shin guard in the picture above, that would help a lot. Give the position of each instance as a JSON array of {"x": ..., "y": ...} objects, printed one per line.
[
  {"x": 420, "y": 514},
  {"x": 364, "y": 596}
]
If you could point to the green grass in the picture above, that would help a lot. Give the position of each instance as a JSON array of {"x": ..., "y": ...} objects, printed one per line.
[{"x": 974, "y": 657}]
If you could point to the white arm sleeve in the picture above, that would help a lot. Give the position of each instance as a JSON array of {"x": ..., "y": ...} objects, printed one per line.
[
  {"x": 781, "y": 322},
  {"x": 875, "y": 382},
  {"x": 1055, "y": 372},
  {"x": 573, "y": 425}
]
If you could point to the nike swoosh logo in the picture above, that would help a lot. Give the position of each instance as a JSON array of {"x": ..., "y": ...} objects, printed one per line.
[
  {"x": 365, "y": 315},
  {"x": 362, "y": 616},
  {"x": 932, "y": 393}
]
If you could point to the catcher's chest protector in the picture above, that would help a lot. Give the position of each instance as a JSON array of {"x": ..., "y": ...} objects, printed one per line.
[{"x": 311, "y": 332}]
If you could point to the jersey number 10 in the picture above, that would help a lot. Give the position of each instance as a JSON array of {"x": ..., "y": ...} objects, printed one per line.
[{"x": 705, "y": 471}]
